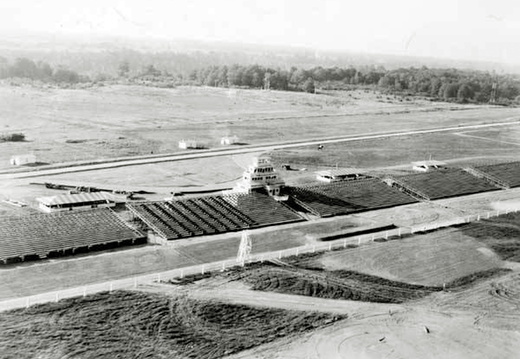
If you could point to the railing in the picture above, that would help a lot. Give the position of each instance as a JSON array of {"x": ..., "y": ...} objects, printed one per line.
[
  {"x": 408, "y": 189},
  {"x": 134, "y": 282},
  {"x": 489, "y": 177}
]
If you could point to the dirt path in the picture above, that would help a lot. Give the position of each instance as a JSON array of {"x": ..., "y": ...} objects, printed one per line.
[
  {"x": 239, "y": 293},
  {"x": 443, "y": 325},
  {"x": 402, "y": 335},
  {"x": 479, "y": 322}
]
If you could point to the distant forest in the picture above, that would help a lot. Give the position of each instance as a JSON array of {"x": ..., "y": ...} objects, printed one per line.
[{"x": 441, "y": 84}]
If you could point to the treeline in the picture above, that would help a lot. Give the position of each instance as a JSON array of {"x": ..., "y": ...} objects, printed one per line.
[
  {"x": 441, "y": 84},
  {"x": 294, "y": 79},
  {"x": 452, "y": 84},
  {"x": 39, "y": 71}
]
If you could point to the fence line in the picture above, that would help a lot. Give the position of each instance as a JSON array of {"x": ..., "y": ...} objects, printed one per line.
[{"x": 134, "y": 282}]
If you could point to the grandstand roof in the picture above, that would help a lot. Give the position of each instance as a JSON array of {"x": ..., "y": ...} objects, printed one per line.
[
  {"x": 340, "y": 172},
  {"x": 75, "y": 198}
]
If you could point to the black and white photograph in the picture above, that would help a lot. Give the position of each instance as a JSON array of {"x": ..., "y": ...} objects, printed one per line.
[{"x": 246, "y": 179}]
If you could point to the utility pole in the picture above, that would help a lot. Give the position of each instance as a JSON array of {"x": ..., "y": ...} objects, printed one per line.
[{"x": 244, "y": 250}]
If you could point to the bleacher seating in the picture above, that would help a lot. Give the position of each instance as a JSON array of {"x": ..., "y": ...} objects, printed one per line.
[
  {"x": 317, "y": 203},
  {"x": 43, "y": 235},
  {"x": 212, "y": 214},
  {"x": 447, "y": 182},
  {"x": 264, "y": 210},
  {"x": 348, "y": 197},
  {"x": 506, "y": 172}
]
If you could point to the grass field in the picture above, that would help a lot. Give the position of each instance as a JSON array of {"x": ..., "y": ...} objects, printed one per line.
[
  {"x": 430, "y": 259},
  {"x": 501, "y": 234},
  {"x": 345, "y": 285},
  {"x": 137, "y": 325},
  {"x": 490, "y": 145},
  {"x": 113, "y": 121},
  {"x": 299, "y": 277},
  {"x": 63, "y": 125}
]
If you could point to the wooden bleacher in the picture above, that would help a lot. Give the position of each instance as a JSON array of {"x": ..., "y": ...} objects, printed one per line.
[
  {"x": 44, "y": 235},
  {"x": 212, "y": 214},
  {"x": 505, "y": 172},
  {"x": 348, "y": 197},
  {"x": 443, "y": 183}
]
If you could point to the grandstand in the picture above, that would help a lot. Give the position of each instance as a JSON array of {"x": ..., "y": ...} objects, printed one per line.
[
  {"x": 508, "y": 173},
  {"x": 68, "y": 202},
  {"x": 212, "y": 214},
  {"x": 442, "y": 183},
  {"x": 52, "y": 235},
  {"x": 347, "y": 197}
]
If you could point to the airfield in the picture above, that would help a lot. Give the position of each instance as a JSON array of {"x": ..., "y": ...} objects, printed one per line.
[{"x": 76, "y": 133}]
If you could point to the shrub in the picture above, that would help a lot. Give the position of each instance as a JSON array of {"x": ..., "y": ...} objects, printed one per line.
[{"x": 12, "y": 137}]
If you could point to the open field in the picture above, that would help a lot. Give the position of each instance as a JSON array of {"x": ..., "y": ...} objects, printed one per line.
[
  {"x": 138, "y": 325},
  {"x": 452, "y": 334},
  {"x": 428, "y": 259},
  {"x": 452, "y": 323},
  {"x": 306, "y": 275},
  {"x": 71, "y": 125},
  {"x": 383, "y": 156},
  {"x": 346, "y": 285},
  {"x": 116, "y": 121},
  {"x": 482, "y": 307},
  {"x": 501, "y": 234},
  {"x": 493, "y": 146}
]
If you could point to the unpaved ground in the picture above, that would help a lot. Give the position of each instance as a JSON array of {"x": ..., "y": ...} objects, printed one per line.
[
  {"x": 399, "y": 335},
  {"x": 239, "y": 293},
  {"x": 482, "y": 321},
  {"x": 64, "y": 125}
]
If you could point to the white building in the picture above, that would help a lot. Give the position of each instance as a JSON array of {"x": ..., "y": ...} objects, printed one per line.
[
  {"x": 68, "y": 202},
  {"x": 425, "y": 166},
  {"x": 337, "y": 175},
  {"x": 228, "y": 140},
  {"x": 20, "y": 160},
  {"x": 260, "y": 176},
  {"x": 187, "y": 144}
]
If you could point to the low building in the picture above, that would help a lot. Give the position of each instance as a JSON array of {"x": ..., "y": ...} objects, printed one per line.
[
  {"x": 187, "y": 144},
  {"x": 228, "y": 140},
  {"x": 425, "y": 166},
  {"x": 20, "y": 160},
  {"x": 69, "y": 202},
  {"x": 337, "y": 175}
]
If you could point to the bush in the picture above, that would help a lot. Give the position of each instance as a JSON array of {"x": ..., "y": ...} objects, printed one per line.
[{"x": 13, "y": 137}]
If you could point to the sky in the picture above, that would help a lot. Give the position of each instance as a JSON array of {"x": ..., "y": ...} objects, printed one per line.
[{"x": 481, "y": 30}]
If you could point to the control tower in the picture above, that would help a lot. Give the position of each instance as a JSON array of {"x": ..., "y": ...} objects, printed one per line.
[{"x": 260, "y": 176}]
